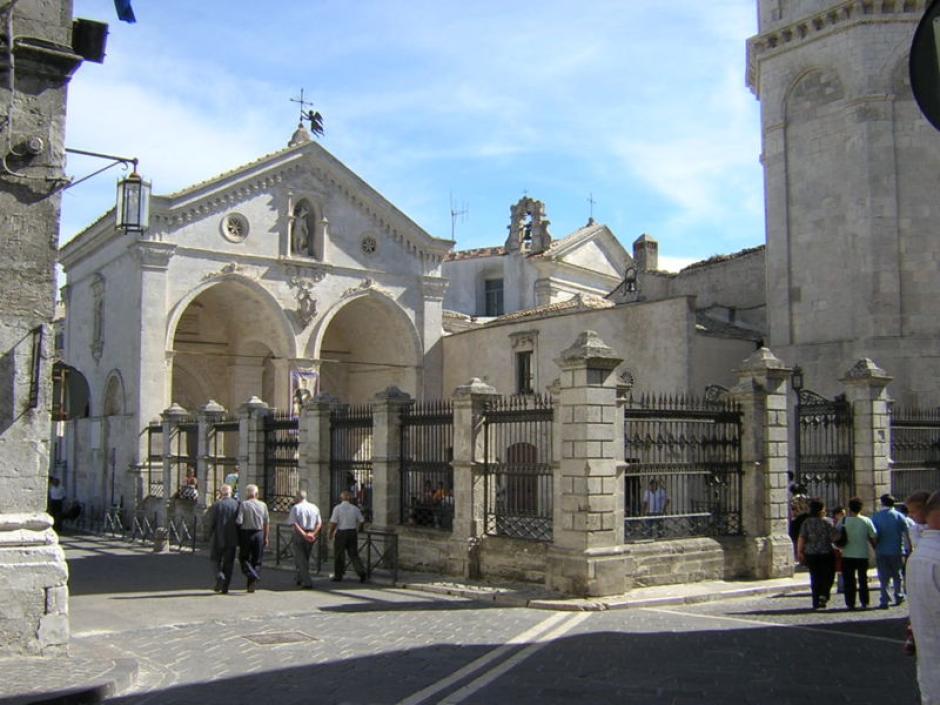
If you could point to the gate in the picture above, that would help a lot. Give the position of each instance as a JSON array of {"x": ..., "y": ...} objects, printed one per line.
[
  {"x": 684, "y": 472},
  {"x": 427, "y": 476},
  {"x": 223, "y": 455},
  {"x": 824, "y": 450},
  {"x": 184, "y": 449},
  {"x": 517, "y": 451},
  {"x": 281, "y": 475},
  {"x": 915, "y": 451},
  {"x": 351, "y": 455}
]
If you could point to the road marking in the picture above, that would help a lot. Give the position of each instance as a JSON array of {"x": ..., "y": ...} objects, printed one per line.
[
  {"x": 477, "y": 664},
  {"x": 759, "y": 623},
  {"x": 541, "y": 642}
]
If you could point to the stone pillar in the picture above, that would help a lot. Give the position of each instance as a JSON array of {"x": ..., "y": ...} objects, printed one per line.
[
  {"x": 866, "y": 390},
  {"x": 172, "y": 417},
  {"x": 386, "y": 457},
  {"x": 468, "y": 461},
  {"x": 586, "y": 557},
  {"x": 208, "y": 415},
  {"x": 251, "y": 416},
  {"x": 762, "y": 394},
  {"x": 315, "y": 451}
]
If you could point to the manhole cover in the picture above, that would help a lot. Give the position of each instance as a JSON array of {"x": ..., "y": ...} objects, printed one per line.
[{"x": 271, "y": 638}]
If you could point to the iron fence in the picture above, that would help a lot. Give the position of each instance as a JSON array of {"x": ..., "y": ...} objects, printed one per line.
[
  {"x": 351, "y": 455},
  {"x": 281, "y": 449},
  {"x": 427, "y": 475},
  {"x": 222, "y": 462},
  {"x": 824, "y": 453},
  {"x": 153, "y": 470},
  {"x": 915, "y": 451},
  {"x": 517, "y": 451},
  {"x": 184, "y": 450},
  {"x": 684, "y": 470}
]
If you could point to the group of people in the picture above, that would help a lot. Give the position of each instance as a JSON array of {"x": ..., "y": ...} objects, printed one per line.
[
  {"x": 906, "y": 545},
  {"x": 242, "y": 527}
]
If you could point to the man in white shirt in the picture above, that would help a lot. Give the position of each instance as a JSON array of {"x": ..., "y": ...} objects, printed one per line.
[
  {"x": 923, "y": 579},
  {"x": 305, "y": 518},
  {"x": 253, "y": 525},
  {"x": 344, "y": 532}
]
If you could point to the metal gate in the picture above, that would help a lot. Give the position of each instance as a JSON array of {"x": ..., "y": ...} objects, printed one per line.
[
  {"x": 351, "y": 455},
  {"x": 517, "y": 449},
  {"x": 427, "y": 475},
  {"x": 824, "y": 450},
  {"x": 184, "y": 449},
  {"x": 153, "y": 480},
  {"x": 684, "y": 472},
  {"x": 915, "y": 451},
  {"x": 281, "y": 447},
  {"x": 223, "y": 455}
]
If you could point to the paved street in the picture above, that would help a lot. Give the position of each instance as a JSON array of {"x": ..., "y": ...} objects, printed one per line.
[{"x": 358, "y": 644}]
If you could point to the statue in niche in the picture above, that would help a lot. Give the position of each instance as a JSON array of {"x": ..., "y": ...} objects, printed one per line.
[{"x": 300, "y": 230}]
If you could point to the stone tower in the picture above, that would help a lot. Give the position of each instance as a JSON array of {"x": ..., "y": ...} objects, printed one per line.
[{"x": 851, "y": 175}]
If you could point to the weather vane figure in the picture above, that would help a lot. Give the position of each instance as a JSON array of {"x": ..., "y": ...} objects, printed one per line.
[{"x": 310, "y": 115}]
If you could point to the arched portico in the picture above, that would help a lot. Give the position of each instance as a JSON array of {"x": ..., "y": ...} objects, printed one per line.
[
  {"x": 364, "y": 345},
  {"x": 230, "y": 340}
]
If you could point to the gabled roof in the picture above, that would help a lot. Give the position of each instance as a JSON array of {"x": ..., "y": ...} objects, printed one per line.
[
  {"x": 578, "y": 302},
  {"x": 475, "y": 253}
]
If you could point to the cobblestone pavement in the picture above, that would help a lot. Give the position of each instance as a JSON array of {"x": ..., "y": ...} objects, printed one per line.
[{"x": 358, "y": 645}]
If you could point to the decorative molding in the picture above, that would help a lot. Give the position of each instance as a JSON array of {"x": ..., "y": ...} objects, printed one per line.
[
  {"x": 153, "y": 255},
  {"x": 366, "y": 285},
  {"x": 811, "y": 28},
  {"x": 232, "y": 267},
  {"x": 234, "y": 227},
  {"x": 98, "y": 309},
  {"x": 524, "y": 340}
]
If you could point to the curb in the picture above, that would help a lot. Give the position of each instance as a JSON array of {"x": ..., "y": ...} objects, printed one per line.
[{"x": 116, "y": 680}]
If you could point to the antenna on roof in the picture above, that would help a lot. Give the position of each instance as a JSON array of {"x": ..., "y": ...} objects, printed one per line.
[
  {"x": 463, "y": 213},
  {"x": 592, "y": 202}
]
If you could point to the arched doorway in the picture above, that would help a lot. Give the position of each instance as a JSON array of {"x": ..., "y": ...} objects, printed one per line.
[
  {"x": 229, "y": 345},
  {"x": 368, "y": 345}
]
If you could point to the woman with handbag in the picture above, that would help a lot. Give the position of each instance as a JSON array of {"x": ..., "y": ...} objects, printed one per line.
[{"x": 814, "y": 549}]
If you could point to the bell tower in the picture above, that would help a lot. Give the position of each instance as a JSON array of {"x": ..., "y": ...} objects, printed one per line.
[{"x": 850, "y": 175}]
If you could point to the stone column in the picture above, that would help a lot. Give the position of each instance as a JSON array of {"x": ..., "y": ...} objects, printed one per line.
[
  {"x": 315, "y": 451},
  {"x": 208, "y": 415},
  {"x": 386, "y": 457},
  {"x": 468, "y": 461},
  {"x": 762, "y": 394},
  {"x": 172, "y": 417},
  {"x": 586, "y": 557},
  {"x": 866, "y": 390},
  {"x": 251, "y": 416}
]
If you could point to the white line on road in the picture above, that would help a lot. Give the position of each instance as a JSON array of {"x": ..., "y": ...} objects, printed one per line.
[
  {"x": 541, "y": 642},
  {"x": 483, "y": 660},
  {"x": 759, "y": 623}
]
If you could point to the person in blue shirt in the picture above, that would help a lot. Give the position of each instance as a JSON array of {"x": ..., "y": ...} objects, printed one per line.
[{"x": 892, "y": 535}]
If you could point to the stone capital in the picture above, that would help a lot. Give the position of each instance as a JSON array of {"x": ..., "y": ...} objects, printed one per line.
[
  {"x": 212, "y": 408},
  {"x": 252, "y": 405},
  {"x": 588, "y": 350},
  {"x": 393, "y": 395},
  {"x": 865, "y": 371},
  {"x": 174, "y": 412},
  {"x": 475, "y": 388},
  {"x": 153, "y": 255}
]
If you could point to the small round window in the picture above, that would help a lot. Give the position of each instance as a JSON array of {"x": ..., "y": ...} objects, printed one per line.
[
  {"x": 234, "y": 227},
  {"x": 369, "y": 245}
]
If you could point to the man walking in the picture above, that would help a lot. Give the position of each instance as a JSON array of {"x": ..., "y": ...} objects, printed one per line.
[
  {"x": 305, "y": 518},
  {"x": 344, "y": 532},
  {"x": 892, "y": 533},
  {"x": 253, "y": 524},
  {"x": 860, "y": 533},
  {"x": 923, "y": 575},
  {"x": 223, "y": 538}
]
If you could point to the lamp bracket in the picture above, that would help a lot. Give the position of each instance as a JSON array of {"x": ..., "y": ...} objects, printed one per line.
[{"x": 114, "y": 159}]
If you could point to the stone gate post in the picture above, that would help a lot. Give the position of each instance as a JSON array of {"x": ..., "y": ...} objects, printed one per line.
[
  {"x": 314, "y": 451},
  {"x": 386, "y": 456},
  {"x": 866, "y": 390},
  {"x": 469, "y": 400},
  {"x": 251, "y": 416},
  {"x": 762, "y": 394},
  {"x": 586, "y": 557},
  {"x": 208, "y": 415},
  {"x": 172, "y": 417}
]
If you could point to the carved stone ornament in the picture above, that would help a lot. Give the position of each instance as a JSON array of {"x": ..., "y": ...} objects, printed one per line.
[
  {"x": 366, "y": 284},
  {"x": 866, "y": 369},
  {"x": 306, "y": 304},
  {"x": 524, "y": 340}
]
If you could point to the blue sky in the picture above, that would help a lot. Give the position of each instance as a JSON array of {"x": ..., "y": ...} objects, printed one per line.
[{"x": 641, "y": 103}]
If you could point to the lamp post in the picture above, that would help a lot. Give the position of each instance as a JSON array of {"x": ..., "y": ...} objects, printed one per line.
[
  {"x": 132, "y": 214},
  {"x": 796, "y": 380}
]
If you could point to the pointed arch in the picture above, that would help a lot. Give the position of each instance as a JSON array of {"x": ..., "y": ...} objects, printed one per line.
[
  {"x": 811, "y": 91},
  {"x": 115, "y": 401}
]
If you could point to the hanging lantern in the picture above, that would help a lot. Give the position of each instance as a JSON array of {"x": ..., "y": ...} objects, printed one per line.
[{"x": 133, "y": 204}]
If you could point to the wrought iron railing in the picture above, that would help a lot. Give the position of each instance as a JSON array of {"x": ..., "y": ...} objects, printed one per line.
[
  {"x": 223, "y": 455},
  {"x": 427, "y": 476},
  {"x": 517, "y": 451},
  {"x": 281, "y": 449},
  {"x": 824, "y": 448},
  {"x": 915, "y": 450},
  {"x": 351, "y": 455},
  {"x": 683, "y": 475},
  {"x": 153, "y": 470}
]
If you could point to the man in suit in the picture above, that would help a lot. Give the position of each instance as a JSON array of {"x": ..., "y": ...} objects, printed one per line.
[{"x": 223, "y": 537}]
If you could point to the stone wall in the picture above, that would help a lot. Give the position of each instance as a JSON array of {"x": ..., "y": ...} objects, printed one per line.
[
  {"x": 673, "y": 562},
  {"x": 34, "y": 601}
]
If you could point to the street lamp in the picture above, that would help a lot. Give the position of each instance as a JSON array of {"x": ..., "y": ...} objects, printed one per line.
[
  {"x": 797, "y": 379},
  {"x": 133, "y": 203}
]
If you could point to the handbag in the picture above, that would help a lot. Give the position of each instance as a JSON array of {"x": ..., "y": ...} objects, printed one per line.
[{"x": 842, "y": 537}]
